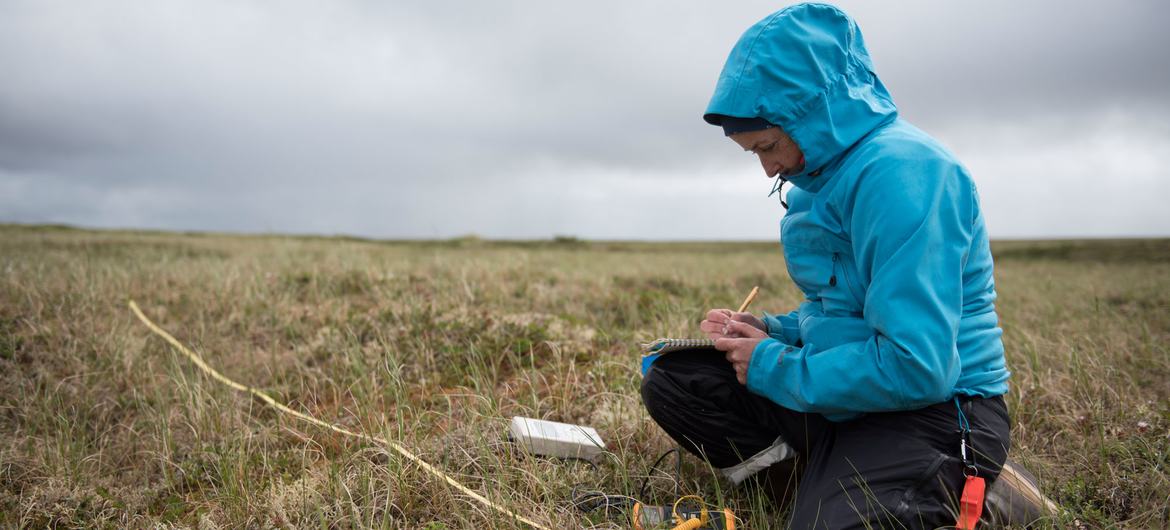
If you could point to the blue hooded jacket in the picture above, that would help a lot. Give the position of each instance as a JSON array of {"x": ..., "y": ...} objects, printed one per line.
[{"x": 883, "y": 233}]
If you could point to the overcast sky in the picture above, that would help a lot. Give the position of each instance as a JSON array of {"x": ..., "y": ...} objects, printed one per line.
[{"x": 532, "y": 119}]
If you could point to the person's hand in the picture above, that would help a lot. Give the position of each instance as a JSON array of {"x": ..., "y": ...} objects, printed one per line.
[
  {"x": 738, "y": 350},
  {"x": 716, "y": 323}
]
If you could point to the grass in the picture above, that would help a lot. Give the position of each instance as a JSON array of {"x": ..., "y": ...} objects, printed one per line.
[{"x": 438, "y": 344}]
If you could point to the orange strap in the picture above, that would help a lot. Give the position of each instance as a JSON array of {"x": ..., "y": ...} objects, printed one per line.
[{"x": 971, "y": 503}]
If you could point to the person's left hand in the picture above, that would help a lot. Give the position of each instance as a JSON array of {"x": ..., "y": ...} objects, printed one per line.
[{"x": 738, "y": 351}]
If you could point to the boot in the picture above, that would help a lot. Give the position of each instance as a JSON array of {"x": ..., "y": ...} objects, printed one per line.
[{"x": 1015, "y": 498}]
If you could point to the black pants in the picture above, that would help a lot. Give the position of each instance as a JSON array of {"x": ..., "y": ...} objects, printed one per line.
[{"x": 883, "y": 470}]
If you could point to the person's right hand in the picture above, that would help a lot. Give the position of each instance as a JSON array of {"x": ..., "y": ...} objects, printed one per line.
[{"x": 715, "y": 325}]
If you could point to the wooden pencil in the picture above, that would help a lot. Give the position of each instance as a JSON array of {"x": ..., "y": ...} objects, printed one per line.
[{"x": 750, "y": 298}]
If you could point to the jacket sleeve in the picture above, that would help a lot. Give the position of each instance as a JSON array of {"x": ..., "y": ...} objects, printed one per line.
[
  {"x": 911, "y": 228},
  {"x": 784, "y": 328}
]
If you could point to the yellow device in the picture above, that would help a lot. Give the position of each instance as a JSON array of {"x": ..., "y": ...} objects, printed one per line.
[{"x": 645, "y": 517}]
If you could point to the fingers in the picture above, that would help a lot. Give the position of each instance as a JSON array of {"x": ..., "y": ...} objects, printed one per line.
[
  {"x": 711, "y": 328},
  {"x": 730, "y": 344},
  {"x": 738, "y": 352},
  {"x": 715, "y": 325},
  {"x": 721, "y": 323},
  {"x": 744, "y": 329},
  {"x": 719, "y": 315},
  {"x": 741, "y": 369},
  {"x": 750, "y": 319}
]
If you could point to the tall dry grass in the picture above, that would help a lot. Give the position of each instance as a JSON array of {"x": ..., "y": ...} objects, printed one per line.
[{"x": 437, "y": 344}]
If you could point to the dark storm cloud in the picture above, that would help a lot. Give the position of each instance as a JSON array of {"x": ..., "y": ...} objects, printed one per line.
[
  {"x": 524, "y": 119},
  {"x": 1010, "y": 58}
]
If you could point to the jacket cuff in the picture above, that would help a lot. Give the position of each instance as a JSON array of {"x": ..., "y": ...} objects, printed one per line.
[
  {"x": 784, "y": 328},
  {"x": 763, "y": 370}
]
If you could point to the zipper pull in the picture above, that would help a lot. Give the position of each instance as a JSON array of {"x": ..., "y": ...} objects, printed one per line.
[{"x": 833, "y": 277}]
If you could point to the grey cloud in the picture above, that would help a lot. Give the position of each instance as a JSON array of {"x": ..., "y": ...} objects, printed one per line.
[{"x": 518, "y": 118}]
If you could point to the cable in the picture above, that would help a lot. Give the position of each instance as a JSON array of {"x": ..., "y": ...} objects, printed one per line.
[
  {"x": 650, "y": 472},
  {"x": 195, "y": 358},
  {"x": 593, "y": 500},
  {"x": 693, "y": 522}
]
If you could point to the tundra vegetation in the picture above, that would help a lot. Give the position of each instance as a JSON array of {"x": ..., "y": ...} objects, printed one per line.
[{"x": 437, "y": 344}]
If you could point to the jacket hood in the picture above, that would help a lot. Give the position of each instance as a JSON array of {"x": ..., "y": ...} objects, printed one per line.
[{"x": 806, "y": 69}]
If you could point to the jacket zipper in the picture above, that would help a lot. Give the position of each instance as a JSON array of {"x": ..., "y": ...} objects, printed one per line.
[{"x": 833, "y": 276}]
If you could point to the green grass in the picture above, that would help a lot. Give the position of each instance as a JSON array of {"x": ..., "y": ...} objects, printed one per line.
[{"x": 438, "y": 344}]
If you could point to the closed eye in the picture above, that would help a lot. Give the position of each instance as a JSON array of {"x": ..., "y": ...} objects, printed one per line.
[{"x": 767, "y": 148}]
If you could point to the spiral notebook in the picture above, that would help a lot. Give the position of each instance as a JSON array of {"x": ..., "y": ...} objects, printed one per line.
[{"x": 651, "y": 351}]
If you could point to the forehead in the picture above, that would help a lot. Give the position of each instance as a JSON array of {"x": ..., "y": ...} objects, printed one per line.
[{"x": 752, "y": 139}]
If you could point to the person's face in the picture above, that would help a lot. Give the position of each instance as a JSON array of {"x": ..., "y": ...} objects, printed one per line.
[{"x": 778, "y": 153}]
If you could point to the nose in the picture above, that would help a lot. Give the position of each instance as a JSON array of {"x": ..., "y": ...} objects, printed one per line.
[{"x": 771, "y": 167}]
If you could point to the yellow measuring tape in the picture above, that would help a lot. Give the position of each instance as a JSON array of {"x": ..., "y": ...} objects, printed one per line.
[{"x": 302, "y": 416}]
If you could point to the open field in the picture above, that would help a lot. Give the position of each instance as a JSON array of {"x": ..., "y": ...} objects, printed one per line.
[{"x": 437, "y": 344}]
